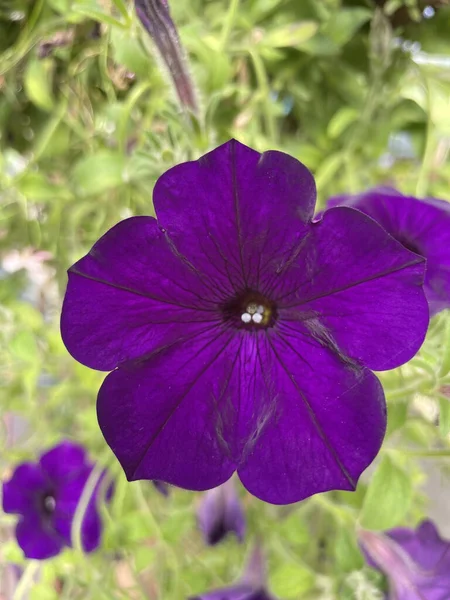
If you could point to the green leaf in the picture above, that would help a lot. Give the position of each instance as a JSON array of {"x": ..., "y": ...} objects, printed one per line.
[
  {"x": 293, "y": 529},
  {"x": 99, "y": 172},
  {"x": 293, "y": 35},
  {"x": 345, "y": 23},
  {"x": 34, "y": 186},
  {"x": 44, "y": 591},
  {"x": 327, "y": 170},
  {"x": 320, "y": 45},
  {"x": 38, "y": 80},
  {"x": 144, "y": 557},
  {"x": 292, "y": 580},
  {"x": 122, "y": 8},
  {"x": 341, "y": 120},
  {"x": 23, "y": 346},
  {"x": 346, "y": 551},
  {"x": 128, "y": 52},
  {"x": 444, "y": 415},
  {"x": 397, "y": 414},
  {"x": 445, "y": 353},
  {"x": 87, "y": 10},
  {"x": 388, "y": 497}
]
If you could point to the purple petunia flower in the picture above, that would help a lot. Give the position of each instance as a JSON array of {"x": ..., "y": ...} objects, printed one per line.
[
  {"x": 251, "y": 586},
  {"x": 421, "y": 225},
  {"x": 416, "y": 562},
  {"x": 241, "y": 332},
  {"x": 220, "y": 513},
  {"x": 46, "y": 496}
]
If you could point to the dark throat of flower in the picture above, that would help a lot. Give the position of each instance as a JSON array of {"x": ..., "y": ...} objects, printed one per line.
[
  {"x": 410, "y": 245},
  {"x": 249, "y": 310},
  {"x": 47, "y": 504}
]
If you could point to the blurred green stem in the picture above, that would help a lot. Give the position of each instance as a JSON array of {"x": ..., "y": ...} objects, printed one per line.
[
  {"x": 26, "y": 581},
  {"x": 176, "y": 592},
  {"x": 428, "y": 453},
  {"x": 264, "y": 90},
  {"x": 230, "y": 18},
  {"x": 430, "y": 146},
  {"x": 82, "y": 506}
]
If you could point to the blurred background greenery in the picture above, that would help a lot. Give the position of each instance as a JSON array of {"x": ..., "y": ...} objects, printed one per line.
[{"x": 358, "y": 90}]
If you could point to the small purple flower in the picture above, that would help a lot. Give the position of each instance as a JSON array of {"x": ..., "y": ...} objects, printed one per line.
[
  {"x": 220, "y": 513},
  {"x": 46, "y": 496},
  {"x": 241, "y": 331},
  {"x": 251, "y": 586},
  {"x": 415, "y": 562},
  {"x": 162, "y": 487},
  {"x": 421, "y": 225}
]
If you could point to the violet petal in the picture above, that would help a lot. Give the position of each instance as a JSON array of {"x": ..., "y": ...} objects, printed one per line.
[
  {"x": 235, "y": 214},
  {"x": 421, "y": 225},
  {"x": 37, "y": 541},
  {"x": 358, "y": 290},
  {"x": 19, "y": 493},
  {"x": 131, "y": 295},
  {"x": 221, "y": 513},
  {"x": 327, "y": 423}
]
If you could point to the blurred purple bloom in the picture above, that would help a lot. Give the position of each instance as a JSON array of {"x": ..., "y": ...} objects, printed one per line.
[
  {"x": 46, "y": 495},
  {"x": 415, "y": 562},
  {"x": 242, "y": 332},
  {"x": 251, "y": 586},
  {"x": 162, "y": 487},
  {"x": 155, "y": 17},
  {"x": 421, "y": 225},
  {"x": 220, "y": 513}
]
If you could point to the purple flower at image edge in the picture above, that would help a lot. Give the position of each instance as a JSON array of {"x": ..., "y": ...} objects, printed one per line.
[
  {"x": 421, "y": 225},
  {"x": 46, "y": 494},
  {"x": 415, "y": 562},
  {"x": 241, "y": 332},
  {"x": 251, "y": 585},
  {"x": 220, "y": 513}
]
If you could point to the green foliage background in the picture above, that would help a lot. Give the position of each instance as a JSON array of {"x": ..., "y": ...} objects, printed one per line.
[{"x": 88, "y": 121}]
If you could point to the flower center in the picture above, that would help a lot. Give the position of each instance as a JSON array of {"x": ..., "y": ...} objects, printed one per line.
[
  {"x": 250, "y": 310},
  {"x": 48, "y": 504},
  {"x": 255, "y": 312},
  {"x": 410, "y": 245}
]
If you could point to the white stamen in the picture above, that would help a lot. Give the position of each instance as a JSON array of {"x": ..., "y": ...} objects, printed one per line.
[
  {"x": 252, "y": 308},
  {"x": 260, "y": 309},
  {"x": 257, "y": 318},
  {"x": 49, "y": 503},
  {"x": 246, "y": 318}
]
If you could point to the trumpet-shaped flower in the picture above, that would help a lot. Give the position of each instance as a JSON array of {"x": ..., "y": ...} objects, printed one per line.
[
  {"x": 46, "y": 494},
  {"x": 241, "y": 332}
]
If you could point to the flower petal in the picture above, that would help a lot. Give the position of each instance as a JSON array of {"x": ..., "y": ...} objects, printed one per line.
[
  {"x": 425, "y": 546},
  {"x": 328, "y": 423},
  {"x": 20, "y": 492},
  {"x": 358, "y": 290},
  {"x": 37, "y": 541},
  {"x": 131, "y": 295},
  {"x": 235, "y": 592},
  {"x": 416, "y": 563},
  {"x": 423, "y": 225},
  {"x": 237, "y": 215},
  {"x": 64, "y": 462},
  {"x": 220, "y": 513},
  {"x": 170, "y": 417}
]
